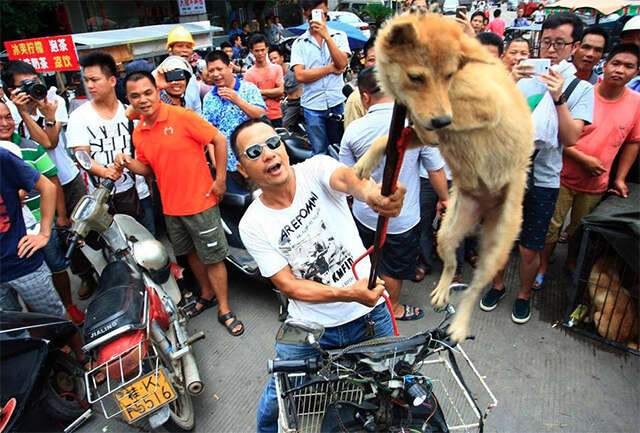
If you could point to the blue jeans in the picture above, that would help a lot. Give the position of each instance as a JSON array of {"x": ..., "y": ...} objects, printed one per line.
[
  {"x": 147, "y": 219},
  {"x": 322, "y": 130},
  {"x": 336, "y": 337},
  {"x": 54, "y": 253}
]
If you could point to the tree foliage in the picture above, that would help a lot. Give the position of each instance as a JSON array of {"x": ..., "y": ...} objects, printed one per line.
[
  {"x": 377, "y": 12},
  {"x": 23, "y": 19}
]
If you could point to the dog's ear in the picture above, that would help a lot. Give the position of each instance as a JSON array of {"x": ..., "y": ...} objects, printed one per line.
[{"x": 403, "y": 33}]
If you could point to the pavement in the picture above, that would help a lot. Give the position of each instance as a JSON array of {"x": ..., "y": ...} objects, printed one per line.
[{"x": 545, "y": 378}]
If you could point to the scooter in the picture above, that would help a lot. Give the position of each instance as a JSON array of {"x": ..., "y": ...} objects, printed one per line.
[
  {"x": 42, "y": 386},
  {"x": 137, "y": 337}
]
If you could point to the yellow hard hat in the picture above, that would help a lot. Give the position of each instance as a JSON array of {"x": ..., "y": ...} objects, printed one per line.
[{"x": 179, "y": 34}]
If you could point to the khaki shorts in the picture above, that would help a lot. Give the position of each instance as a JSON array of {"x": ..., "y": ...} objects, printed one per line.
[
  {"x": 201, "y": 232},
  {"x": 580, "y": 203}
]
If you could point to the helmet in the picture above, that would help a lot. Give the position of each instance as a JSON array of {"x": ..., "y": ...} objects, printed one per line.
[
  {"x": 632, "y": 24},
  {"x": 151, "y": 255},
  {"x": 179, "y": 34}
]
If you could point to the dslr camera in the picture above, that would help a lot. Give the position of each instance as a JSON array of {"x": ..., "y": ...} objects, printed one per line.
[{"x": 34, "y": 89}]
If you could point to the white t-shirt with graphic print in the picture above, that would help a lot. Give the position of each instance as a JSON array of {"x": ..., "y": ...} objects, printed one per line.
[
  {"x": 316, "y": 236},
  {"x": 105, "y": 138}
]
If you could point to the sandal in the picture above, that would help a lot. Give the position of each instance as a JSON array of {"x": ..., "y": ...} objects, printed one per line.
[
  {"x": 411, "y": 313},
  {"x": 222, "y": 319},
  {"x": 538, "y": 282},
  {"x": 206, "y": 304}
]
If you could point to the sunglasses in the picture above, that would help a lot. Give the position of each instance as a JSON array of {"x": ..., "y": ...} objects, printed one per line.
[{"x": 254, "y": 151}]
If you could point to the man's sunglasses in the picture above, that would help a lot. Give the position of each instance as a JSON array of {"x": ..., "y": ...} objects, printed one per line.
[{"x": 254, "y": 151}]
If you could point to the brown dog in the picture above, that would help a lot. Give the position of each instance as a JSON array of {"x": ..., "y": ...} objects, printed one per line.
[{"x": 460, "y": 99}]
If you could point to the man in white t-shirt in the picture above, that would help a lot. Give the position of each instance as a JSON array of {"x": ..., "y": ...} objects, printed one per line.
[
  {"x": 301, "y": 233},
  {"x": 102, "y": 129},
  {"x": 397, "y": 262}
]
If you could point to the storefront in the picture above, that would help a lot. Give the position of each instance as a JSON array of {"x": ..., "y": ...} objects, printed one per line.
[{"x": 100, "y": 15}]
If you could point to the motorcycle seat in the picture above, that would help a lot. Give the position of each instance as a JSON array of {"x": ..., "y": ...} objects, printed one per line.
[
  {"x": 236, "y": 196},
  {"x": 297, "y": 148},
  {"x": 118, "y": 306}
]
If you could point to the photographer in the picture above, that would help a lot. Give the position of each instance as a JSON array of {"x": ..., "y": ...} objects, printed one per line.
[{"x": 172, "y": 76}]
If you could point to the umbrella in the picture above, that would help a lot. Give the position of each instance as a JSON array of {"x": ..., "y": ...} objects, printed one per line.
[
  {"x": 604, "y": 7},
  {"x": 355, "y": 36}
]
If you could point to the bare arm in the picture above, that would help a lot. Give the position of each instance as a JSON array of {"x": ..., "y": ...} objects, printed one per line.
[
  {"x": 29, "y": 244},
  {"x": 339, "y": 57},
  {"x": 98, "y": 169},
  {"x": 345, "y": 180},
  {"x": 253, "y": 111},
  {"x": 311, "y": 291},
  {"x": 304, "y": 75},
  {"x": 628, "y": 156},
  {"x": 569, "y": 129},
  {"x": 125, "y": 161},
  {"x": 275, "y": 93},
  {"x": 61, "y": 208}
]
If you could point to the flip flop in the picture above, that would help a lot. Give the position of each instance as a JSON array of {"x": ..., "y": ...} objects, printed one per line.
[
  {"x": 538, "y": 282},
  {"x": 222, "y": 319},
  {"x": 411, "y": 313},
  {"x": 206, "y": 304}
]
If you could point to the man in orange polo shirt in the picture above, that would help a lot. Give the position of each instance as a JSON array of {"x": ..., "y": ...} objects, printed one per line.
[{"x": 169, "y": 144}]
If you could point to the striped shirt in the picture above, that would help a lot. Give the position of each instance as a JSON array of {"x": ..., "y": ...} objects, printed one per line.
[{"x": 36, "y": 157}]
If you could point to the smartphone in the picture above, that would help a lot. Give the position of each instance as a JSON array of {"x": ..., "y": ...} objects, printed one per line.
[
  {"x": 540, "y": 66},
  {"x": 317, "y": 15},
  {"x": 175, "y": 75},
  {"x": 461, "y": 12}
]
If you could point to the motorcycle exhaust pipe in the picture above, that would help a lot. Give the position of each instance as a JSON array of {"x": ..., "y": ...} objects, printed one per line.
[{"x": 191, "y": 374}]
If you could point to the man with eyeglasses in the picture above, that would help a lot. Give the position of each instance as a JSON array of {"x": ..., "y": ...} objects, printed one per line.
[
  {"x": 573, "y": 99},
  {"x": 169, "y": 144},
  {"x": 301, "y": 233},
  {"x": 589, "y": 53}
]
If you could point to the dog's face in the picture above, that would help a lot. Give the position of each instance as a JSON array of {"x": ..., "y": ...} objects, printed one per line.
[{"x": 418, "y": 59}]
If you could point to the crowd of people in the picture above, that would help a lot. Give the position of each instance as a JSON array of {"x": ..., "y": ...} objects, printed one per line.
[{"x": 170, "y": 137}]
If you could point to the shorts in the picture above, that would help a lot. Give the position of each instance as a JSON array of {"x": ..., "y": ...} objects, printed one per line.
[
  {"x": 36, "y": 290},
  {"x": 54, "y": 253},
  {"x": 398, "y": 253},
  {"x": 201, "y": 232},
  {"x": 73, "y": 192},
  {"x": 579, "y": 203},
  {"x": 537, "y": 210}
]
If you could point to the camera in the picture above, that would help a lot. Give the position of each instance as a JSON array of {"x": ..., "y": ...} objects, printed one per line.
[
  {"x": 34, "y": 89},
  {"x": 175, "y": 75}
]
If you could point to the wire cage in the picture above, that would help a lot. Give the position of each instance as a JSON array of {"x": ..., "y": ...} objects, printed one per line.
[
  {"x": 603, "y": 303},
  {"x": 464, "y": 408}
]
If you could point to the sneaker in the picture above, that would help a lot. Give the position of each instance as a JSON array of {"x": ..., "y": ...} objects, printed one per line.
[
  {"x": 491, "y": 299},
  {"x": 77, "y": 316},
  {"x": 521, "y": 311}
]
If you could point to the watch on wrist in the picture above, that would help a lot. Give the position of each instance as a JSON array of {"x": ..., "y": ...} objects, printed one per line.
[
  {"x": 561, "y": 100},
  {"x": 50, "y": 124}
]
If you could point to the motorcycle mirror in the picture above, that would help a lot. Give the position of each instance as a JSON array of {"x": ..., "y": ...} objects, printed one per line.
[
  {"x": 84, "y": 159},
  {"x": 294, "y": 331}
]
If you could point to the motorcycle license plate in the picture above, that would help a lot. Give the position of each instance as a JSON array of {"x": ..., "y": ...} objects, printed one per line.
[{"x": 145, "y": 395}]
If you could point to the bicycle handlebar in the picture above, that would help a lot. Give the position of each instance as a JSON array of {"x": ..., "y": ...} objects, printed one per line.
[{"x": 293, "y": 366}]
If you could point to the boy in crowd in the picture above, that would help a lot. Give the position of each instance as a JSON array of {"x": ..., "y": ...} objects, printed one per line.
[{"x": 267, "y": 77}]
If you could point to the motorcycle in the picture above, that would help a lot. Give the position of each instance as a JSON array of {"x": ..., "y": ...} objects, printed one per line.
[
  {"x": 142, "y": 361},
  {"x": 390, "y": 384},
  {"x": 37, "y": 376}
]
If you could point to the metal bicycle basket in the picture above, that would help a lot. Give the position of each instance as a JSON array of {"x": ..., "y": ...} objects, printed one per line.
[{"x": 464, "y": 408}]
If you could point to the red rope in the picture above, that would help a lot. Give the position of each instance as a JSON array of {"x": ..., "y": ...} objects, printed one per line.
[{"x": 403, "y": 142}]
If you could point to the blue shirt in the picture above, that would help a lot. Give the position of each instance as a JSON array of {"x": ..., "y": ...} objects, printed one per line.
[
  {"x": 14, "y": 175},
  {"x": 326, "y": 92},
  {"x": 357, "y": 140},
  {"x": 192, "y": 96},
  {"x": 226, "y": 116}
]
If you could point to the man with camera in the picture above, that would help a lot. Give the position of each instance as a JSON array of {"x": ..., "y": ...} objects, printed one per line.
[{"x": 101, "y": 128}]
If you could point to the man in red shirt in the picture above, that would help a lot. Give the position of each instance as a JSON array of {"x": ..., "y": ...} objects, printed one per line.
[
  {"x": 169, "y": 144},
  {"x": 586, "y": 166},
  {"x": 267, "y": 77},
  {"x": 497, "y": 24}
]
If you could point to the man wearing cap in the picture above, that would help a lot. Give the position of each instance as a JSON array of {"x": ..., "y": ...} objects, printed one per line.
[
  {"x": 631, "y": 35},
  {"x": 181, "y": 43},
  {"x": 318, "y": 59}
]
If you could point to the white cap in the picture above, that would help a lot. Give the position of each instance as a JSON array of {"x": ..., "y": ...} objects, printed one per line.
[{"x": 632, "y": 24}]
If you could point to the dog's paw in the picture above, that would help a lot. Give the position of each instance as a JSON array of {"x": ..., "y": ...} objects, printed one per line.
[
  {"x": 459, "y": 328},
  {"x": 440, "y": 296},
  {"x": 363, "y": 168}
]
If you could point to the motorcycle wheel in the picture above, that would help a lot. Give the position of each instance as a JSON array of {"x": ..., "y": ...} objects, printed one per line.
[
  {"x": 181, "y": 413},
  {"x": 65, "y": 376}
]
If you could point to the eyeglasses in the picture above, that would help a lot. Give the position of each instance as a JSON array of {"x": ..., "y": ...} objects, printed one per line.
[
  {"x": 557, "y": 45},
  {"x": 254, "y": 151}
]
